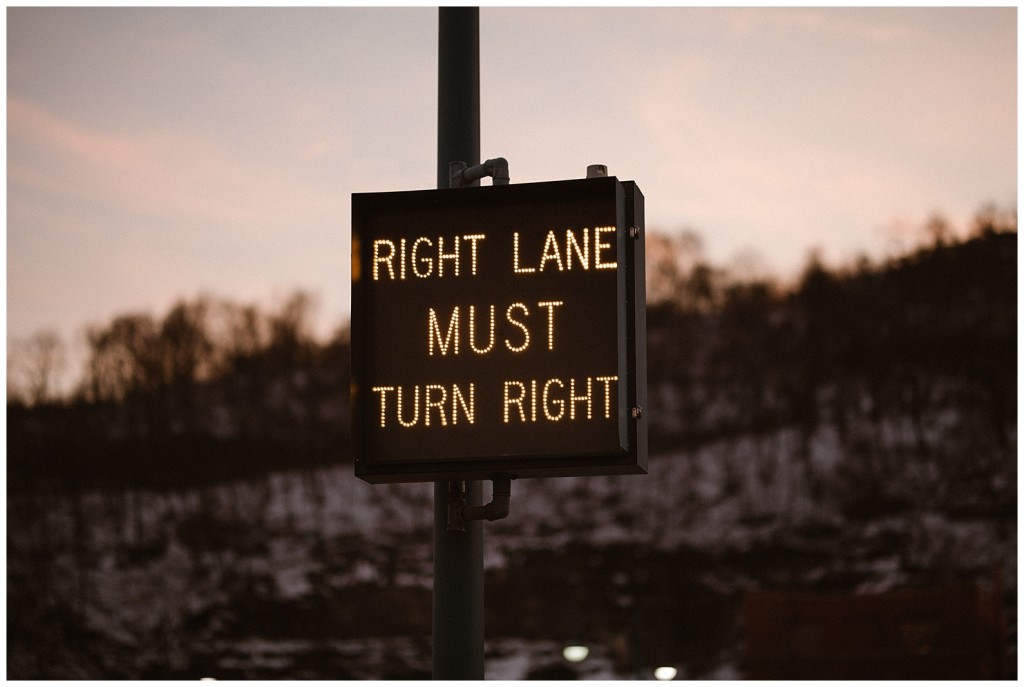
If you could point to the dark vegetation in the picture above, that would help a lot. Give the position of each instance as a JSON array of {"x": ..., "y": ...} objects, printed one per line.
[
  {"x": 213, "y": 391},
  {"x": 170, "y": 516},
  {"x": 929, "y": 337}
]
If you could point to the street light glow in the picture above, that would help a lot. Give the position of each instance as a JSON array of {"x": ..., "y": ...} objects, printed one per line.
[
  {"x": 574, "y": 653},
  {"x": 665, "y": 673}
]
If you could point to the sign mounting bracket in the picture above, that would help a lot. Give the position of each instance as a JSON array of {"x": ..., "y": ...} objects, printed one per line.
[
  {"x": 461, "y": 175},
  {"x": 459, "y": 513}
]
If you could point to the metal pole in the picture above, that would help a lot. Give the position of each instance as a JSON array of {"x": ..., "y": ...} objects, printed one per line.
[
  {"x": 458, "y": 652},
  {"x": 458, "y": 89}
]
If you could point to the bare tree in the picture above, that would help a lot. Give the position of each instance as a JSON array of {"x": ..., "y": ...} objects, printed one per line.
[
  {"x": 123, "y": 359},
  {"x": 670, "y": 262},
  {"x": 34, "y": 366}
]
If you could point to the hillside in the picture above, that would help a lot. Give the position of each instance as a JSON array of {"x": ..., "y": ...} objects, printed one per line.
[{"x": 191, "y": 510}]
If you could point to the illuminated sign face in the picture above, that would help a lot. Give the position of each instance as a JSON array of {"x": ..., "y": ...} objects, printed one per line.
[{"x": 498, "y": 330}]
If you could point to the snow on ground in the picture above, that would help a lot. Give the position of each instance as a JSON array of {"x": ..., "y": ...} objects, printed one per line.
[{"x": 141, "y": 565}]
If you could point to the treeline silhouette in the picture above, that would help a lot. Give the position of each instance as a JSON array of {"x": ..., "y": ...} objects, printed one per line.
[
  {"x": 912, "y": 345},
  {"x": 211, "y": 391},
  {"x": 911, "y": 362}
]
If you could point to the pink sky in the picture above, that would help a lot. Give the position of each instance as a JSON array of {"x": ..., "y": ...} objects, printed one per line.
[{"x": 161, "y": 153}]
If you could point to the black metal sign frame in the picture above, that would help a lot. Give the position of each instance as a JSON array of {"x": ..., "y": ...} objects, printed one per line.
[{"x": 499, "y": 331}]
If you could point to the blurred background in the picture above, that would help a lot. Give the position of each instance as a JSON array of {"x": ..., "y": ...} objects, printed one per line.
[{"x": 832, "y": 344}]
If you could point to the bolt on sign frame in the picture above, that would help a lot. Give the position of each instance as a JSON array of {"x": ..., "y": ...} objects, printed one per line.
[{"x": 499, "y": 331}]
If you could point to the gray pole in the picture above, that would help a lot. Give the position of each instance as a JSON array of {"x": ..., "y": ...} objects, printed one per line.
[
  {"x": 458, "y": 89},
  {"x": 458, "y": 652}
]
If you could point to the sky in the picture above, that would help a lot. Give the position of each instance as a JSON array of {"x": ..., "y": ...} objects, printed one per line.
[{"x": 159, "y": 154}]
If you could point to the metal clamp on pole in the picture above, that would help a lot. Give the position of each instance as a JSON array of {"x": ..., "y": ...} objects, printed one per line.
[
  {"x": 459, "y": 513},
  {"x": 461, "y": 175}
]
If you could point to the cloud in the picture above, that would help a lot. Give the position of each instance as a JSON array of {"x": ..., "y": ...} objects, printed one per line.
[
  {"x": 151, "y": 173},
  {"x": 849, "y": 24}
]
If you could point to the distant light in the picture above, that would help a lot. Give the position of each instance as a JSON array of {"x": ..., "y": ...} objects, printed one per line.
[
  {"x": 207, "y": 679},
  {"x": 665, "y": 673},
  {"x": 575, "y": 653}
]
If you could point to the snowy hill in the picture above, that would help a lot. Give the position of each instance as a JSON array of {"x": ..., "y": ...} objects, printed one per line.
[{"x": 856, "y": 434}]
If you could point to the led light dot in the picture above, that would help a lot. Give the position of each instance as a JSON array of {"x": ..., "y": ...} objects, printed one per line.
[
  {"x": 378, "y": 258},
  {"x": 435, "y": 397},
  {"x": 472, "y": 331},
  {"x": 473, "y": 238},
  {"x": 526, "y": 332},
  {"x": 551, "y": 305},
  {"x": 515, "y": 256},
  {"x": 415, "y": 407},
  {"x": 438, "y": 404},
  {"x": 442, "y": 256},
  {"x": 550, "y": 252},
  {"x": 558, "y": 402},
  {"x": 417, "y": 260},
  {"x": 382, "y": 390},
  {"x": 451, "y": 338},
  {"x": 458, "y": 399},
  {"x": 574, "y": 399},
  {"x": 608, "y": 394},
  {"x": 508, "y": 400},
  {"x": 599, "y": 246},
  {"x": 571, "y": 244}
]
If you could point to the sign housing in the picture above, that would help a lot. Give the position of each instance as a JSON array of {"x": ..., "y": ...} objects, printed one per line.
[{"x": 499, "y": 331}]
